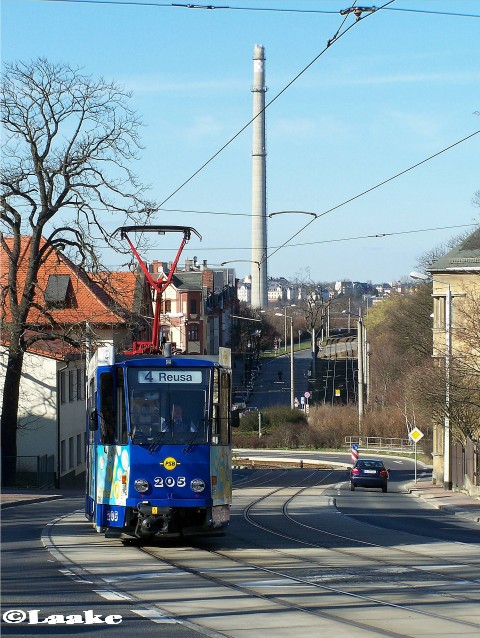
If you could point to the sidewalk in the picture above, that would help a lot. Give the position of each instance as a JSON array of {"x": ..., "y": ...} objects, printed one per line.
[
  {"x": 12, "y": 497},
  {"x": 450, "y": 502}
]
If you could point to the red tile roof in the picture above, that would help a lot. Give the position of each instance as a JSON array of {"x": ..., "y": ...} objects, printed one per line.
[{"x": 99, "y": 299}]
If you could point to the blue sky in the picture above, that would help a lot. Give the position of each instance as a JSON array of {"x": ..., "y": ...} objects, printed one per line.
[{"x": 397, "y": 88}]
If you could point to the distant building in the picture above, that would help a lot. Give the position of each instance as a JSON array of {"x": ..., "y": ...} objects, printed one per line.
[
  {"x": 244, "y": 290},
  {"x": 344, "y": 287},
  {"x": 196, "y": 306}
]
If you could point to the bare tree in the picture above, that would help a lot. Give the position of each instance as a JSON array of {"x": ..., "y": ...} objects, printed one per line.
[
  {"x": 67, "y": 144},
  {"x": 312, "y": 305}
]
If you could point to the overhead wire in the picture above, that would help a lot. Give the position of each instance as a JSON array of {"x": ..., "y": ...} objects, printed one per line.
[
  {"x": 211, "y": 7},
  {"x": 334, "y": 240},
  {"x": 335, "y": 38},
  {"x": 372, "y": 188},
  {"x": 331, "y": 41}
]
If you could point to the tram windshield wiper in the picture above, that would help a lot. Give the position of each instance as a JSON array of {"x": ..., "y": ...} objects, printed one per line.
[
  {"x": 158, "y": 439},
  {"x": 189, "y": 445}
]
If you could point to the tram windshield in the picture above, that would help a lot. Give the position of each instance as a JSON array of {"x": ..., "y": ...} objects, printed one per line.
[{"x": 168, "y": 405}]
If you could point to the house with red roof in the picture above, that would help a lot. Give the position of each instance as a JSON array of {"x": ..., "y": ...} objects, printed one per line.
[{"x": 73, "y": 313}]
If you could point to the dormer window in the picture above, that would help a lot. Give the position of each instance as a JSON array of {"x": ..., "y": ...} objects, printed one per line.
[{"x": 59, "y": 293}]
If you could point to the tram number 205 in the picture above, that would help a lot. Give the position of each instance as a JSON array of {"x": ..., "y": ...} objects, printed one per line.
[{"x": 170, "y": 481}]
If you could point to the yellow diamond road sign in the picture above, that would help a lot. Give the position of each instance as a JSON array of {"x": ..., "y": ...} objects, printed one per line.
[{"x": 415, "y": 435}]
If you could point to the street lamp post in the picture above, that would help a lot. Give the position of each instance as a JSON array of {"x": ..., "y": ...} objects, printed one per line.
[
  {"x": 447, "y": 434},
  {"x": 292, "y": 364},
  {"x": 361, "y": 340},
  {"x": 361, "y": 349}
]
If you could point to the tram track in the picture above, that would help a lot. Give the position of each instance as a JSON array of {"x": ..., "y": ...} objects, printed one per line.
[
  {"x": 283, "y": 578},
  {"x": 247, "y": 516}
]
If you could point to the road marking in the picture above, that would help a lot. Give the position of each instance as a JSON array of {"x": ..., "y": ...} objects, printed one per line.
[
  {"x": 154, "y": 615},
  {"x": 279, "y": 582},
  {"x": 75, "y": 577},
  {"x": 144, "y": 576},
  {"x": 111, "y": 595}
]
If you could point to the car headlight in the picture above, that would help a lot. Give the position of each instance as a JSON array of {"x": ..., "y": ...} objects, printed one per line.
[
  {"x": 197, "y": 485},
  {"x": 141, "y": 485}
]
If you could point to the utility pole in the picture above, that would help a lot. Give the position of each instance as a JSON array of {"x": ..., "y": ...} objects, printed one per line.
[
  {"x": 292, "y": 367},
  {"x": 360, "y": 359}
]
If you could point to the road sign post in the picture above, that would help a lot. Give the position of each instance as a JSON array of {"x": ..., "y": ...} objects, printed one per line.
[
  {"x": 354, "y": 452},
  {"x": 415, "y": 435}
]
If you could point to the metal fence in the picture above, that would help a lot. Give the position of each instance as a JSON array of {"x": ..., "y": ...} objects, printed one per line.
[
  {"x": 465, "y": 464},
  {"x": 381, "y": 443},
  {"x": 32, "y": 471}
]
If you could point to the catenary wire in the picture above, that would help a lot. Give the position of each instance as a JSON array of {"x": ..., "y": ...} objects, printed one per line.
[
  {"x": 324, "y": 241},
  {"x": 211, "y": 7},
  {"x": 372, "y": 188},
  {"x": 331, "y": 41}
]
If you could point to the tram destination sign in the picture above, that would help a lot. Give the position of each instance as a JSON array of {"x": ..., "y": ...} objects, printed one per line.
[{"x": 169, "y": 376}]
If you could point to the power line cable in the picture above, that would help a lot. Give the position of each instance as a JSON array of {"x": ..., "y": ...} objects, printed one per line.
[
  {"x": 372, "y": 188},
  {"x": 331, "y": 241},
  {"x": 331, "y": 41},
  {"x": 211, "y": 7}
]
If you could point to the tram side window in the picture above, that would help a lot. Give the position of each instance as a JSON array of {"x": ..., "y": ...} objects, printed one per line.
[
  {"x": 122, "y": 437},
  {"x": 107, "y": 423},
  {"x": 216, "y": 408},
  {"x": 224, "y": 408}
]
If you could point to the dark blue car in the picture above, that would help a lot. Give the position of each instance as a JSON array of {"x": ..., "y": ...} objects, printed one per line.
[{"x": 369, "y": 473}]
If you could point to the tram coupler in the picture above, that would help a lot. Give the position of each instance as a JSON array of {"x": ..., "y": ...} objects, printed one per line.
[{"x": 152, "y": 519}]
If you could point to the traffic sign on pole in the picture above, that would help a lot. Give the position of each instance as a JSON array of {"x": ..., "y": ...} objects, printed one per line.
[{"x": 415, "y": 435}]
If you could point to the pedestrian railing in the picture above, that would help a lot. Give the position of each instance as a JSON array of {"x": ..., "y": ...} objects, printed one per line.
[
  {"x": 381, "y": 443},
  {"x": 30, "y": 471}
]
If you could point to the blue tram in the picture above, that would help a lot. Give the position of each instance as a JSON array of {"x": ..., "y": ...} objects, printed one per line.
[{"x": 159, "y": 445}]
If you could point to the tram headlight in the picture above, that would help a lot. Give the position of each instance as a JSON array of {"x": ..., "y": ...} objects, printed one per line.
[
  {"x": 197, "y": 485},
  {"x": 141, "y": 485}
]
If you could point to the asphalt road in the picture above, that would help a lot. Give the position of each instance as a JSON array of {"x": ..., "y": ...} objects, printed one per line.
[
  {"x": 272, "y": 386},
  {"x": 33, "y": 579},
  {"x": 302, "y": 553}
]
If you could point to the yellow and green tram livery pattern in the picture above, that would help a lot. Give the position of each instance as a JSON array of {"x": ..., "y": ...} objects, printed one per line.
[{"x": 113, "y": 475}]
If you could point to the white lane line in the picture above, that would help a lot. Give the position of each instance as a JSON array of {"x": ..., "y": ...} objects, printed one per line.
[
  {"x": 154, "y": 615},
  {"x": 111, "y": 595}
]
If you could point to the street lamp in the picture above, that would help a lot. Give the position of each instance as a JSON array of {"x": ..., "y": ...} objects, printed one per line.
[
  {"x": 447, "y": 434},
  {"x": 361, "y": 367},
  {"x": 294, "y": 212},
  {"x": 292, "y": 365}
]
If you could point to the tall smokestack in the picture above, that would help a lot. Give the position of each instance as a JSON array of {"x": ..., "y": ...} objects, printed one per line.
[{"x": 259, "y": 183}]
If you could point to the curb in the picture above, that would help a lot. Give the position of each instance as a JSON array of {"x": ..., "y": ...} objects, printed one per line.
[
  {"x": 29, "y": 501},
  {"x": 444, "y": 507}
]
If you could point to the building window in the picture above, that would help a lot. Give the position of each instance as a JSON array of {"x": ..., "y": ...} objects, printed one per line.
[
  {"x": 71, "y": 385},
  {"x": 79, "y": 450},
  {"x": 168, "y": 305},
  {"x": 193, "y": 306},
  {"x": 59, "y": 293},
  {"x": 192, "y": 331},
  {"x": 63, "y": 456},
  {"x": 71, "y": 449},
  {"x": 80, "y": 385},
  {"x": 63, "y": 387}
]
